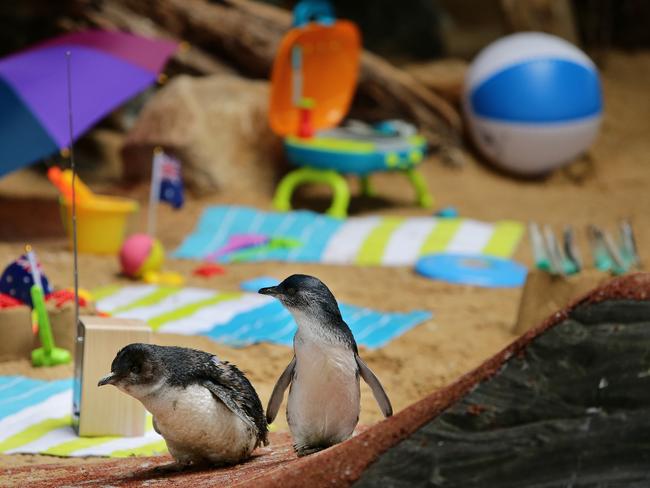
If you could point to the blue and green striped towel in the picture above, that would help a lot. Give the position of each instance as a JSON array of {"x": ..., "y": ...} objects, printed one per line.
[
  {"x": 239, "y": 318},
  {"x": 374, "y": 240},
  {"x": 35, "y": 418}
]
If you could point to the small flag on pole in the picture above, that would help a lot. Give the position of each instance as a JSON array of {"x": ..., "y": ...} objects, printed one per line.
[
  {"x": 166, "y": 185},
  {"x": 171, "y": 184}
]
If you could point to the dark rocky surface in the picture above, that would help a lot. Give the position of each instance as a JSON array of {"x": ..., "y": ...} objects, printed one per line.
[{"x": 571, "y": 410}]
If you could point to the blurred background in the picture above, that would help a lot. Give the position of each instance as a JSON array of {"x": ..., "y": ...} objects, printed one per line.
[{"x": 208, "y": 107}]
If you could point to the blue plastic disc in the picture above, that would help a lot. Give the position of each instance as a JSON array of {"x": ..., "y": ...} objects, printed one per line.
[
  {"x": 487, "y": 271},
  {"x": 447, "y": 213}
]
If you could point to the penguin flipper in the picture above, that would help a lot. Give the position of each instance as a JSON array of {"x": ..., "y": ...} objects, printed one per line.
[
  {"x": 225, "y": 395},
  {"x": 278, "y": 391},
  {"x": 374, "y": 384}
]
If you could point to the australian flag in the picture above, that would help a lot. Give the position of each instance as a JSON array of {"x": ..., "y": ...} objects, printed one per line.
[
  {"x": 17, "y": 280},
  {"x": 171, "y": 183}
]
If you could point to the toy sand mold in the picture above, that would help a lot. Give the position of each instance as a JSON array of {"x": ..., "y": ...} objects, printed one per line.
[{"x": 312, "y": 84}]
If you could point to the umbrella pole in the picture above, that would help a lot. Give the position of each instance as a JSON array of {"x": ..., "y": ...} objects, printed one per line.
[{"x": 74, "y": 197}]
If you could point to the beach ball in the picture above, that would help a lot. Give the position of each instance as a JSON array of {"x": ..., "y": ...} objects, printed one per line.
[
  {"x": 140, "y": 254},
  {"x": 533, "y": 102}
]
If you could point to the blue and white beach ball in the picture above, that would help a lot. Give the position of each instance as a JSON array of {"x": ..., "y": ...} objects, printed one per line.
[{"x": 533, "y": 102}]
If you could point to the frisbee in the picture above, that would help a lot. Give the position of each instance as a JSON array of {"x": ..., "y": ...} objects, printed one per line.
[{"x": 486, "y": 271}]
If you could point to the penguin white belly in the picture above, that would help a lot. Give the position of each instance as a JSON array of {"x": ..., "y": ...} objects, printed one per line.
[
  {"x": 323, "y": 405},
  {"x": 198, "y": 427}
]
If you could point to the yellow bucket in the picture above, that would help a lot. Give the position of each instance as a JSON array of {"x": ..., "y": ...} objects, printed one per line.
[{"x": 101, "y": 223}]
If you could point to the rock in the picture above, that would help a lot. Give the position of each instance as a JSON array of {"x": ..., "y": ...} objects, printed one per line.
[
  {"x": 99, "y": 157},
  {"x": 445, "y": 77},
  {"x": 217, "y": 127}
]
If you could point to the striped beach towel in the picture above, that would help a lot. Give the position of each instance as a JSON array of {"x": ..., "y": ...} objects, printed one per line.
[
  {"x": 374, "y": 240},
  {"x": 35, "y": 417},
  {"x": 239, "y": 318}
]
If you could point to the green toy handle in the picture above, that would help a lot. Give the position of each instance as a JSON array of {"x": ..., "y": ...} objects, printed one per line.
[{"x": 44, "y": 328}]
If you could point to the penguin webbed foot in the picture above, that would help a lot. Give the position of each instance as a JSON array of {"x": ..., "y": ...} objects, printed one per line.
[
  {"x": 189, "y": 465},
  {"x": 302, "y": 451},
  {"x": 171, "y": 468}
]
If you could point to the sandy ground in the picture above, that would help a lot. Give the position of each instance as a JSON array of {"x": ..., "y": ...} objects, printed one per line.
[{"x": 469, "y": 324}]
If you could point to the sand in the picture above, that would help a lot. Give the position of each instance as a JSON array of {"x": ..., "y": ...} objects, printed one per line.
[{"x": 469, "y": 324}]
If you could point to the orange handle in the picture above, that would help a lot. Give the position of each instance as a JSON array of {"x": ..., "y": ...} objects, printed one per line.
[
  {"x": 55, "y": 175},
  {"x": 83, "y": 192}
]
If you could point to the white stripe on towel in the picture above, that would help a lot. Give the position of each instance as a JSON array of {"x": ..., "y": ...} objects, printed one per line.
[
  {"x": 343, "y": 247},
  {"x": 405, "y": 243},
  {"x": 208, "y": 317},
  {"x": 470, "y": 238}
]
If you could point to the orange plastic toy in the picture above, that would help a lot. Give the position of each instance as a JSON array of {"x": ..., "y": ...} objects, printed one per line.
[
  {"x": 313, "y": 81},
  {"x": 308, "y": 54}
]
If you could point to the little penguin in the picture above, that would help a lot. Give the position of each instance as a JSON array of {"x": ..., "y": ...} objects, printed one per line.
[
  {"x": 204, "y": 408},
  {"x": 324, "y": 398}
]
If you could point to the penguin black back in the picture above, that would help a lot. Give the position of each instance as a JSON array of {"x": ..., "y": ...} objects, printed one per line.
[{"x": 182, "y": 367}]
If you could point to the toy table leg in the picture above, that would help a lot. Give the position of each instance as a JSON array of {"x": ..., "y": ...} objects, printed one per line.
[
  {"x": 341, "y": 197},
  {"x": 423, "y": 197},
  {"x": 366, "y": 187}
]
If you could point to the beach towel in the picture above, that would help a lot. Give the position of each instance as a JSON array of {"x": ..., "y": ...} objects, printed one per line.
[
  {"x": 240, "y": 318},
  {"x": 35, "y": 417},
  {"x": 373, "y": 240}
]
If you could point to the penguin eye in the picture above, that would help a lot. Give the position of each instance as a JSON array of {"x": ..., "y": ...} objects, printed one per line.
[{"x": 135, "y": 369}]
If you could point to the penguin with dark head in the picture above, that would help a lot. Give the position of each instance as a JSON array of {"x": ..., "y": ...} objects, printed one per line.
[{"x": 206, "y": 409}]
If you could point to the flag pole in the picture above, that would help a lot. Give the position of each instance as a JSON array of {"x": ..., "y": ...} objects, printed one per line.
[{"x": 154, "y": 192}]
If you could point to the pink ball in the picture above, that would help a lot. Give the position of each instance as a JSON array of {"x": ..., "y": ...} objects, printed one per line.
[{"x": 134, "y": 253}]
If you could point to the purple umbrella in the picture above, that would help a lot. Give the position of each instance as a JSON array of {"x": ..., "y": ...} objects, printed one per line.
[{"x": 107, "y": 68}]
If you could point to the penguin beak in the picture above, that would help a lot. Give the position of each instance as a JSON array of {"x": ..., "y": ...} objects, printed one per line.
[
  {"x": 273, "y": 291},
  {"x": 109, "y": 379}
]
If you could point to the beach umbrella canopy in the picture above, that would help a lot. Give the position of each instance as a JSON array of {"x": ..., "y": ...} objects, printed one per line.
[{"x": 107, "y": 68}]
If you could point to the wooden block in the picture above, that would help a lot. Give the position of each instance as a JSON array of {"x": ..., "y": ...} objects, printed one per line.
[
  {"x": 106, "y": 410},
  {"x": 16, "y": 336},
  {"x": 64, "y": 329},
  {"x": 544, "y": 294}
]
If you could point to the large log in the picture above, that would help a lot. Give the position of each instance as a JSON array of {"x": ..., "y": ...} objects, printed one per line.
[
  {"x": 569, "y": 410},
  {"x": 112, "y": 16},
  {"x": 245, "y": 35},
  {"x": 552, "y": 16}
]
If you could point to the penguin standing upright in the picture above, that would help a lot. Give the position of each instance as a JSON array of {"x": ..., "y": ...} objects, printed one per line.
[{"x": 324, "y": 398}]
